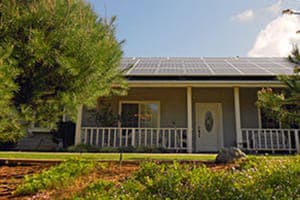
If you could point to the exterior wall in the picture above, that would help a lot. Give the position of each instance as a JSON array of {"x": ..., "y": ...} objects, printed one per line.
[
  {"x": 249, "y": 111},
  {"x": 173, "y": 107},
  {"x": 172, "y": 104}
]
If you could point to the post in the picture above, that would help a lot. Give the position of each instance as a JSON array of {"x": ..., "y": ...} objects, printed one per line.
[
  {"x": 237, "y": 116},
  {"x": 78, "y": 126},
  {"x": 189, "y": 119},
  {"x": 297, "y": 141}
]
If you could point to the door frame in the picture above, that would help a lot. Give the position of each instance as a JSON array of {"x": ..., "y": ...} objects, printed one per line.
[{"x": 220, "y": 142}]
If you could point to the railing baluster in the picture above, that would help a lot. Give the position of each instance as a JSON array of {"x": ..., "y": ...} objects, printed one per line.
[
  {"x": 108, "y": 137},
  {"x": 277, "y": 139},
  {"x": 181, "y": 139},
  {"x": 151, "y": 137},
  {"x": 289, "y": 141},
  {"x": 163, "y": 138},
  {"x": 133, "y": 137},
  {"x": 283, "y": 140},
  {"x": 140, "y": 137},
  {"x": 120, "y": 137},
  {"x": 97, "y": 137},
  {"x": 259, "y": 139},
  {"x": 85, "y": 136},
  {"x": 247, "y": 139},
  {"x": 272, "y": 147},
  {"x": 102, "y": 138},
  {"x": 115, "y": 137},
  {"x": 91, "y": 136},
  {"x": 169, "y": 138},
  {"x": 126, "y": 137},
  {"x": 157, "y": 137},
  {"x": 175, "y": 138}
]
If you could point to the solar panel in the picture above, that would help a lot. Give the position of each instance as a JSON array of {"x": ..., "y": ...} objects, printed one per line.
[{"x": 198, "y": 66}]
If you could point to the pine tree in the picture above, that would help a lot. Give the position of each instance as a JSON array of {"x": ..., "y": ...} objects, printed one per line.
[
  {"x": 284, "y": 105},
  {"x": 61, "y": 55}
]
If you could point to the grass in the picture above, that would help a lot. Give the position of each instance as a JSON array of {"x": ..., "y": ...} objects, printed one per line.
[{"x": 104, "y": 156}]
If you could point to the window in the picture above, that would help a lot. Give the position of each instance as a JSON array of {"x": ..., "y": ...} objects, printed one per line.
[
  {"x": 267, "y": 121},
  {"x": 140, "y": 114}
]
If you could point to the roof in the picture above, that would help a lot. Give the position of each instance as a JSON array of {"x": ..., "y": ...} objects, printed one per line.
[{"x": 204, "y": 67}]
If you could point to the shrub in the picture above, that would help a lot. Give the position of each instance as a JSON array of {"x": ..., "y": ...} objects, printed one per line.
[
  {"x": 129, "y": 149},
  {"x": 55, "y": 177},
  {"x": 83, "y": 148},
  {"x": 260, "y": 178}
]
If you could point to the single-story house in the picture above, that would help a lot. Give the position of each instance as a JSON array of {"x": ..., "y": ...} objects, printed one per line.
[{"x": 193, "y": 105}]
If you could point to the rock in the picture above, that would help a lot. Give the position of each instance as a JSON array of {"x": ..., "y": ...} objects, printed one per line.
[{"x": 229, "y": 155}]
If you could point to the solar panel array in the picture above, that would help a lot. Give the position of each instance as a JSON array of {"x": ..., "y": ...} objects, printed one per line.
[{"x": 198, "y": 66}]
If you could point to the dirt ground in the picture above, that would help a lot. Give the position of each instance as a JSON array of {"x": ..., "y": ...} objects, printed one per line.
[{"x": 11, "y": 176}]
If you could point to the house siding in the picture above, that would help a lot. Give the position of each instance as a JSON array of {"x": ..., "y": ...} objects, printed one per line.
[
  {"x": 249, "y": 111},
  {"x": 173, "y": 107}
]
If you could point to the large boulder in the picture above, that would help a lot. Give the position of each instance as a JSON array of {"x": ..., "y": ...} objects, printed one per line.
[{"x": 229, "y": 155}]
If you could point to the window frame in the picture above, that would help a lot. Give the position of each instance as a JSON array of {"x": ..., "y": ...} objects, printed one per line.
[{"x": 139, "y": 108}]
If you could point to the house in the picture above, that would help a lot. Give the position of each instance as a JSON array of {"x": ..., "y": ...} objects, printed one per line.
[{"x": 193, "y": 105}]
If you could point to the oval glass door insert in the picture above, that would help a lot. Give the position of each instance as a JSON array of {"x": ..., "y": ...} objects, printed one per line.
[{"x": 209, "y": 121}]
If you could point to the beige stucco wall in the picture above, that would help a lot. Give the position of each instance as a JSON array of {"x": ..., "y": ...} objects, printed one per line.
[{"x": 173, "y": 107}]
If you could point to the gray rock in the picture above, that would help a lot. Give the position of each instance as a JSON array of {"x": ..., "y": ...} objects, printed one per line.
[{"x": 229, "y": 155}]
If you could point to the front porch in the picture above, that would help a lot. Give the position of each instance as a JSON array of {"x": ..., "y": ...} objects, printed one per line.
[{"x": 187, "y": 119}]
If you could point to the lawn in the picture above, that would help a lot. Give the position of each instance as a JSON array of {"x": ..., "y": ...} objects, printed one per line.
[{"x": 105, "y": 156}]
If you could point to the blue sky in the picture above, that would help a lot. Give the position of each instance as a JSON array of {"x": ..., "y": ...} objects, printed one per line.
[{"x": 191, "y": 27}]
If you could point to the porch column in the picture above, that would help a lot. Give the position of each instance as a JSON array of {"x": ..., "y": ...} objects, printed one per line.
[
  {"x": 237, "y": 116},
  {"x": 189, "y": 119},
  {"x": 78, "y": 126}
]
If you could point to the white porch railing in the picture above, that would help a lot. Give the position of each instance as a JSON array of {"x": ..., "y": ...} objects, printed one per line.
[
  {"x": 169, "y": 138},
  {"x": 271, "y": 140}
]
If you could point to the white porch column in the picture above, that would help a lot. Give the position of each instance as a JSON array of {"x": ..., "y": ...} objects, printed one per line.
[
  {"x": 237, "y": 116},
  {"x": 78, "y": 126},
  {"x": 189, "y": 120}
]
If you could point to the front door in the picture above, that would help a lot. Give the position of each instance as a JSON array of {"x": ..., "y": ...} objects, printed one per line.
[{"x": 208, "y": 127}]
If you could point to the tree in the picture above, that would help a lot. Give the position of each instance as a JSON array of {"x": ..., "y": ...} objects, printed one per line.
[
  {"x": 284, "y": 105},
  {"x": 61, "y": 55}
]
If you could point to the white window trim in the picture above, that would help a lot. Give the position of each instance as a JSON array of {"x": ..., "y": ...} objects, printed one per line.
[{"x": 139, "y": 103}]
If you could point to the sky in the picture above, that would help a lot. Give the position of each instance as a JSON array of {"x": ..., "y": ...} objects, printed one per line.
[{"x": 208, "y": 28}]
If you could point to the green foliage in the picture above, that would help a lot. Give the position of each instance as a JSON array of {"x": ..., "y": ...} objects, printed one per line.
[
  {"x": 104, "y": 117},
  {"x": 284, "y": 105},
  {"x": 61, "y": 55},
  {"x": 129, "y": 149},
  {"x": 10, "y": 128},
  {"x": 260, "y": 178},
  {"x": 56, "y": 177}
]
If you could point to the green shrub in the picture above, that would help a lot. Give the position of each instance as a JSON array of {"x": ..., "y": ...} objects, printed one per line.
[
  {"x": 256, "y": 178},
  {"x": 83, "y": 148},
  {"x": 57, "y": 176},
  {"x": 129, "y": 149}
]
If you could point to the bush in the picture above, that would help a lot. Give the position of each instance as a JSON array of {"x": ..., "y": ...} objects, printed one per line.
[
  {"x": 129, "y": 149},
  {"x": 83, "y": 148},
  {"x": 152, "y": 149},
  {"x": 57, "y": 176},
  {"x": 253, "y": 179}
]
